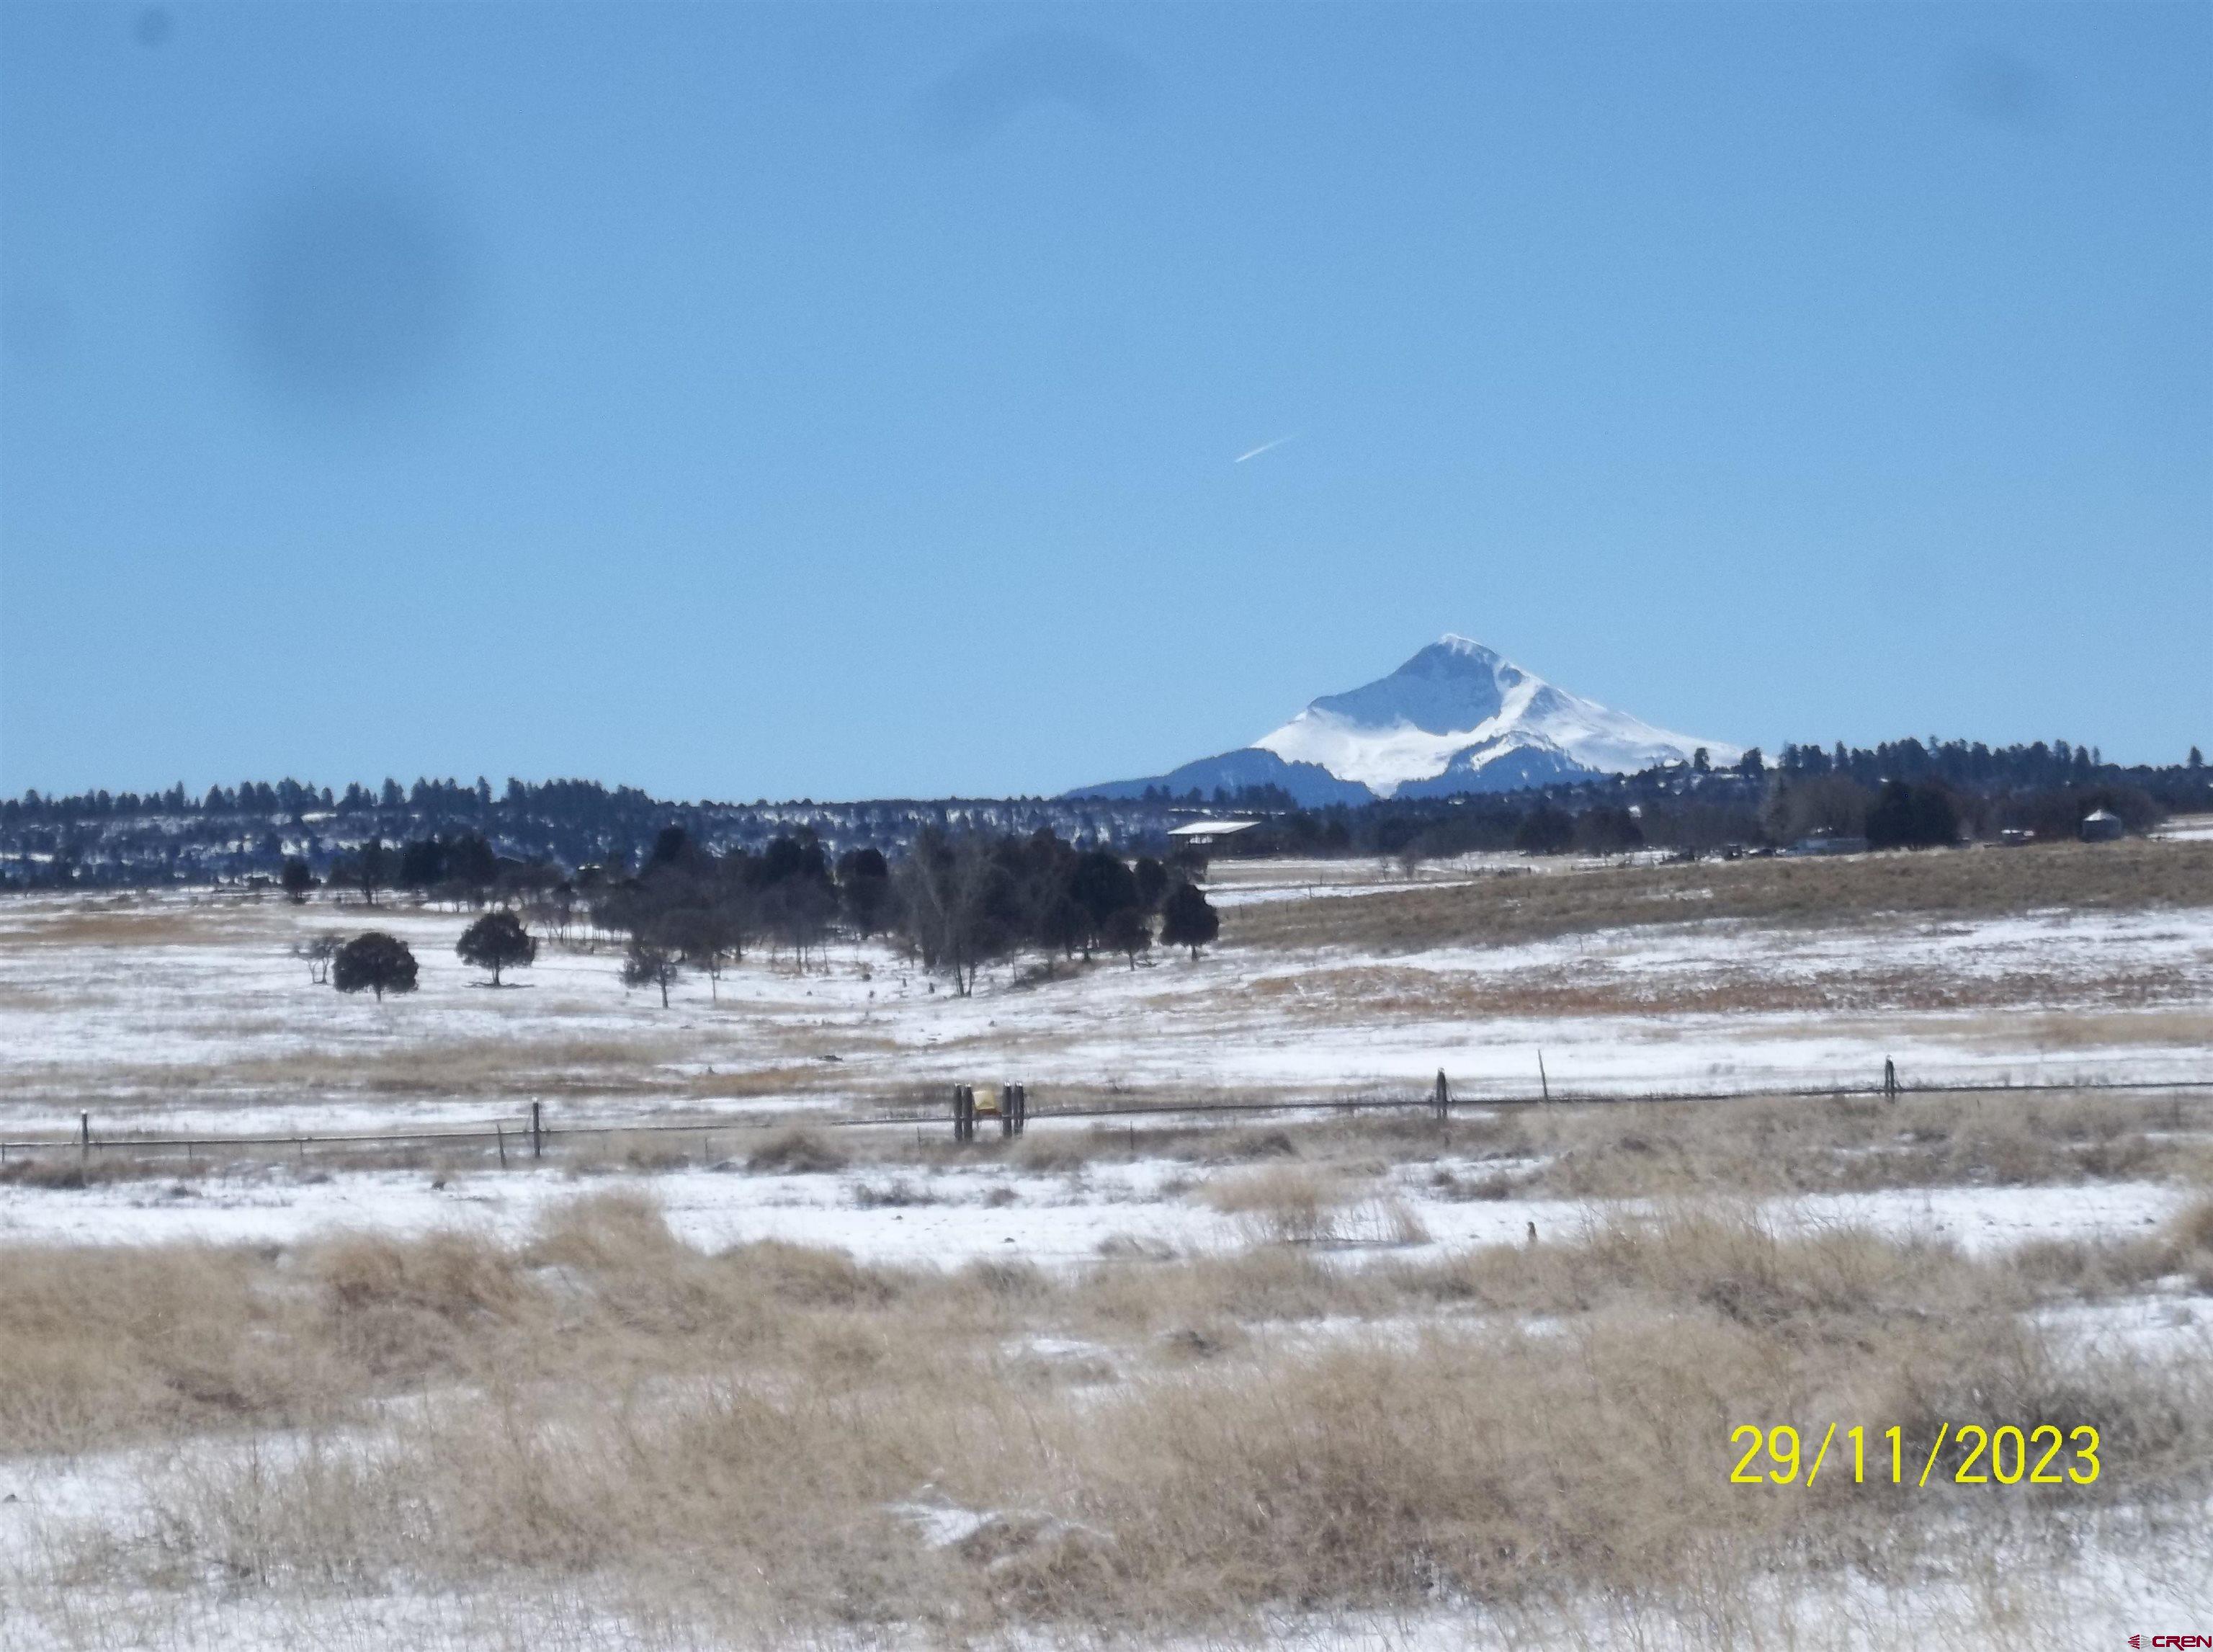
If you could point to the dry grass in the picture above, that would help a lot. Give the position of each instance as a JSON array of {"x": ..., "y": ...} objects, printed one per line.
[
  {"x": 1283, "y": 1204},
  {"x": 2183, "y": 1250},
  {"x": 1753, "y": 1144},
  {"x": 66, "y": 1168},
  {"x": 797, "y": 1149},
  {"x": 757, "y": 1437},
  {"x": 1848, "y": 1145},
  {"x": 1363, "y": 994},
  {"x": 2138, "y": 873},
  {"x": 1301, "y": 1204},
  {"x": 119, "y": 922}
]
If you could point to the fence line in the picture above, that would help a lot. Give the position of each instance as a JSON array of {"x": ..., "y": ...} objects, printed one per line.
[{"x": 532, "y": 1130}]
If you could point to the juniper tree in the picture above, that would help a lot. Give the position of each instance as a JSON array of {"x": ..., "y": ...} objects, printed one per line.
[
  {"x": 495, "y": 941},
  {"x": 1102, "y": 884},
  {"x": 1152, "y": 880},
  {"x": 1127, "y": 932},
  {"x": 375, "y": 962},
  {"x": 1188, "y": 918}
]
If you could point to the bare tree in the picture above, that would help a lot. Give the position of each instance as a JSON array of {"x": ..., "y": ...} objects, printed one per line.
[
  {"x": 651, "y": 963},
  {"x": 956, "y": 897},
  {"x": 705, "y": 937},
  {"x": 317, "y": 954}
]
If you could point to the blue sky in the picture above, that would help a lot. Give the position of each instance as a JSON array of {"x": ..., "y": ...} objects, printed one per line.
[{"x": 847, "y": 402}]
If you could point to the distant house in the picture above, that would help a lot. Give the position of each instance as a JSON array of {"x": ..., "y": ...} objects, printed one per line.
[
  {"x": 1207, "y": 834},
  {"x": 2102, "y": 825}
]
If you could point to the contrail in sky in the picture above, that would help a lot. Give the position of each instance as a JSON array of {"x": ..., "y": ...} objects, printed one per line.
[{"x": 1262, "y": 448}]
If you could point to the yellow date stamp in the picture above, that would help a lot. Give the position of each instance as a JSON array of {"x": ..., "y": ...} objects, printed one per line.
[{"x": 2043, "y": 1453}]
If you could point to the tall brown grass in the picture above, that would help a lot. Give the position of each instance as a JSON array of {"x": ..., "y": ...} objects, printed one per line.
[{"x": 763, "y": 1435}]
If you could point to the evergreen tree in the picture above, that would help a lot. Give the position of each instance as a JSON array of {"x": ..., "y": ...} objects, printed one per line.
[
  {"x": 297, "y": 880},
  {"x": 470, "y": 861},
  {"x": 1188, "y": 918},
  {"x": 1101, "y": 883},
  {"x": 372, "y": 869},
  {"x": 495, "y": 941},
  {"x": 1548, "y": 829},
  {"x": 1151, "y": 879},
  {"x": 1125, "y": 931},
  {"x": 865, "y": 889},
  {"x": 375, "y": 961},
  {"x": 1912, "y": 817},
  {"x": 422, "y": 863}
]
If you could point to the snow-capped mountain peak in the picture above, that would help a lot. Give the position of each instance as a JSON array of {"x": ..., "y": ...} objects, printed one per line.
[
  {"x": 1456, "y": 717},
  {"x": 1458, "y": 708}
]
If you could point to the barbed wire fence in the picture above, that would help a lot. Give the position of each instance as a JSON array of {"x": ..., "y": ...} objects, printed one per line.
[{"x": 524, "y": 1138}]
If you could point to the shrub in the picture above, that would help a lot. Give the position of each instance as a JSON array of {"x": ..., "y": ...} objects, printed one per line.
[{"x": 796, "y": 1152}]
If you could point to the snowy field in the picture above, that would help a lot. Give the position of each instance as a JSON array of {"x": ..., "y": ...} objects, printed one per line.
[
  {"x": 989, "y": 1211},
  {"x": 187, "y": 1014},
  {"x": 768, "y": 1380}
]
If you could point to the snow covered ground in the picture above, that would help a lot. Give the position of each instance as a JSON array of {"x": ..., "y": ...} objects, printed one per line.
[
  {"x": 175, "y": 1013},
  {"x": 187, "y": 1014},
  {"x": 948, "y": 1217}
]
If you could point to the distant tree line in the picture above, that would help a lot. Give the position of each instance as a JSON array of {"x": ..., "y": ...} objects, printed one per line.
[
  {"x": 1904, "y": 794},
  {"x": 970, "y": 899},
  {"x": 959, "y": 900},
  {"x": 466, "y": 842},
  {"x": 252, "y": 831}
]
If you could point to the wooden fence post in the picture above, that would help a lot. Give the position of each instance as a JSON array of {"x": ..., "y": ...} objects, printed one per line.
[
  {"x": 1889, "y": 1080},
  {"x": 537, "y": 1136},
  {"x": 1444, "y": 1095},
  {"x": 1543, "y": 1082},
  {"x": 1006, "y": 1111},
  {"x": 84, "y": 1138},
  {"x": 1021, "y": 1108},
  {"x": 499, "y": 1135}
]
